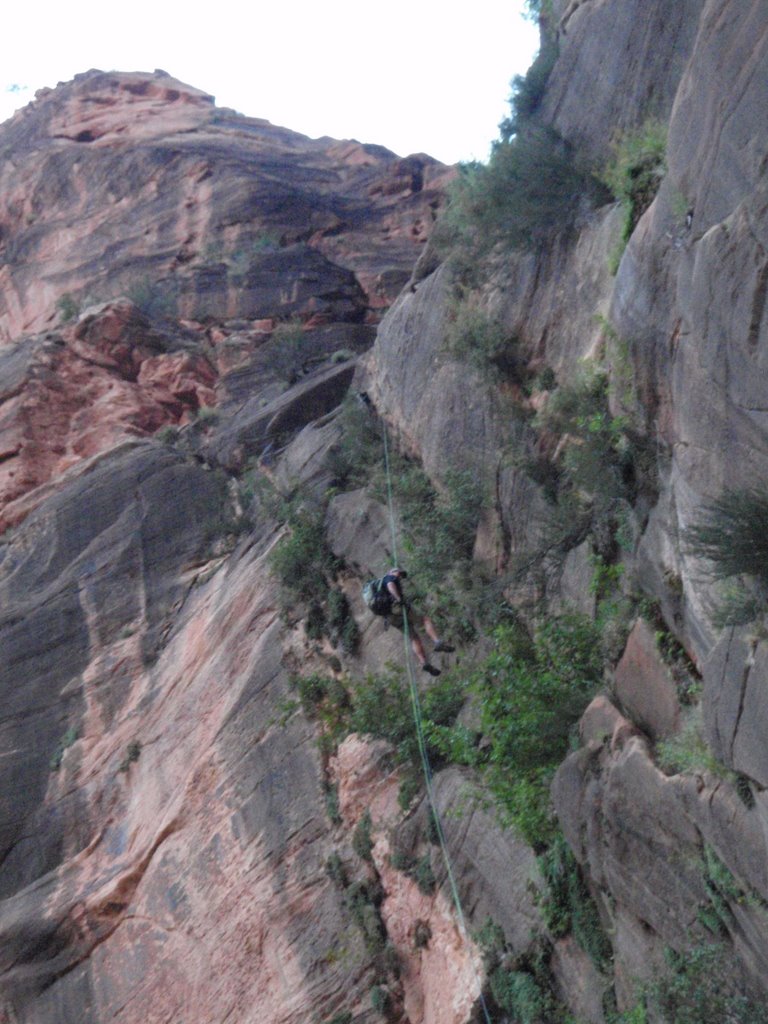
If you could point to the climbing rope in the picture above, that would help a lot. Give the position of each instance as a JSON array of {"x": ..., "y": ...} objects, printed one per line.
[{"x": 422, "y": 743}]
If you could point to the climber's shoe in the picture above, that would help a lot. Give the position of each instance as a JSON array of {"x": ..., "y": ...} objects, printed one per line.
[
  {"x": 441, "y": 647},
  {"x": 431, "y": 669}
]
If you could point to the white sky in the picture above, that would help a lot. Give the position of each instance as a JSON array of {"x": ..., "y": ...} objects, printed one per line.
[{"x": 411, "y": 75}]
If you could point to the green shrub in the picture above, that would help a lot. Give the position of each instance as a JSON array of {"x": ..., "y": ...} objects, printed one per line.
[
  {"x": 302, "y": 560},
  {"x": 133, "y": 752},
  {"x": 732, "y": 536},
  {"x": 381, "y": 1001},
  {"x": 168, "y": 434},
  {"x": 68, "y": 308},
  {"x": 424, "y": 876},
  {"x": 568, "y": 906},
  {"x": 439, "y": 528},
  {"x": 334, "y": 868},
  {"x": 519, "y": 994},
  {"x": 636, "y": 171},
  {"x": 331, "y": 791},
  {"x": 528, "y": 90},
  {"x": 66, "y": 741},
  {"x": 361, "y": 900},
  {"x": 360, "y": 449},
  {"x": 362, "y": 840},
  {"x": 154, "y": 298},
  {"x": 480, "y": 339},
  {"x": 341, "y": 623},
  {"x": 601, "y": 469},
  {"x": 531, "y": 696},
  {"x": 409, "y": 789},
  {"x": 699, "y": 987},
  {"x": 529, "y": 189}
]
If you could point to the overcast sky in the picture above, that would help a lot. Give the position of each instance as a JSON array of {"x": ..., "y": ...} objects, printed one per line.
[{"x": 415, "y": 77}]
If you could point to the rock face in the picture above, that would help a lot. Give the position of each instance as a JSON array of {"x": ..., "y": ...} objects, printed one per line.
[
  {"x": 229, "y": 216},
  {"x": 187, "y": 297}
]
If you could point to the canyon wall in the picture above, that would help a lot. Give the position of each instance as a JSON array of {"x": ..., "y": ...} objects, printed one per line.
[{"x": 188, "y": 298}]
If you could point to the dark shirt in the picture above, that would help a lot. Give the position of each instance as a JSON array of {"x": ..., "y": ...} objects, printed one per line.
[{"x": 386, "y": 580}]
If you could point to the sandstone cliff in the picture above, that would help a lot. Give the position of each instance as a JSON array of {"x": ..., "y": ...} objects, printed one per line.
[{"x": 212, "y": 809}]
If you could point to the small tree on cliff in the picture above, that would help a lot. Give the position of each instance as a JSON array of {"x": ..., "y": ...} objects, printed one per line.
[{"x": 732, "y": 535}]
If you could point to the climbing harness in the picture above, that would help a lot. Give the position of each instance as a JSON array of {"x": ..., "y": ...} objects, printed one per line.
[{"x": 419, "y": 724}]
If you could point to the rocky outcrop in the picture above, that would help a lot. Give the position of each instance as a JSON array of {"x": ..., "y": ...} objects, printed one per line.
[
  {"x": 72, "y": 394},
  {"x": 136, "y": 183}
]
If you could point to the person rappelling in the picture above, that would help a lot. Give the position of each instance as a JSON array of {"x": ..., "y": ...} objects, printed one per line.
[{"x": 385, "y": 597}]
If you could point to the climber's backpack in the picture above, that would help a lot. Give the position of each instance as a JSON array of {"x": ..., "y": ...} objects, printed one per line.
[{"x": 377, "y": 597}]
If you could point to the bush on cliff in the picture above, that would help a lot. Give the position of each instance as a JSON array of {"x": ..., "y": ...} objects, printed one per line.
[
  {"x": 478, "y": 338},
  {"x": 731, "y": 534},
  {"x": 531, "y": 693},
  {"x": 528, "y": 90},
  {"x": 530, "y": 188},
  {"x": 635, "y": 173}
]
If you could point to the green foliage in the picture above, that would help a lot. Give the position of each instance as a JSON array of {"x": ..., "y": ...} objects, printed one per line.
[
  {"x": 424, "y": 876},
  {"x": 362, "y": 840},
  {"x": 334, "y": 868},
  {"x": 636, "y": 171},
  {"x": 361, "y": 900},
  {"x": 732, "y": 536},
  {"x": 530, "y": 695},
  {"x": 438, "y": 539},
  {"x": 331, "y": 791},
  {"x": 341, "y": 623},
  {"x": 518, "y": 993},
  {"x": 480, "y": 339},
  {"x": 132, "y": 753},
  {"x": 168, "y": 434},
  {"x": 409, "y": 789},
  {"x": 529, "y": 189},
  {"x": 156, "y": 299},
  {"x": 381, "y": 1000},
  {"x": 360, "y": 448},
  {"x": 687, "y": 750},
  {"x": 528, "y": 90},
  {"x": 206, "y": 414},
  {"x": 601, "y": 469},
  {"x": 66, "y": 741},
  {"x": 568, "y": 906},
  {"x": 724, "y": 891},
  {"x": 302, "y": 560},
  {"x": 699, "y": 987},
  {"x": 380, "y": 705},
  {"x": 67, "y": 307}
]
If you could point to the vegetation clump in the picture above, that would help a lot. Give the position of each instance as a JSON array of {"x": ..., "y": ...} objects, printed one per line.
[
  {"x": 699, "y": 987},
  {"x": 531, "y": 692},
  {"x": 635, "y": 173},
  {"x": 732, "y": 536},
  {"x": 530, "y": 188},
  {"x": 567, "y": 904},
  {"x": 66, "y": 741}
]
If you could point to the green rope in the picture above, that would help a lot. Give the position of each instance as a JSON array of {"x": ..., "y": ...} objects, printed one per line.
[
  {"x": 390, "y": 501},
  {"x": 419, "y": 723}
]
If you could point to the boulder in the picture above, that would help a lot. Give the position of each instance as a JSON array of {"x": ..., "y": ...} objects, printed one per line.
[{"x": 644, "y": 685}]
